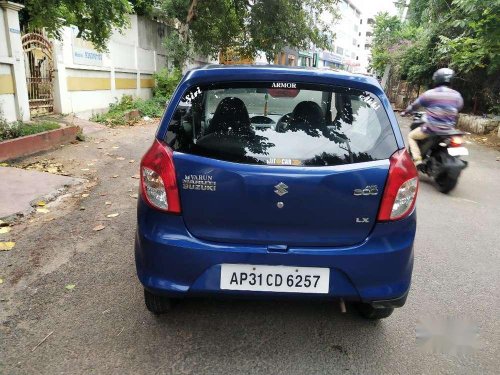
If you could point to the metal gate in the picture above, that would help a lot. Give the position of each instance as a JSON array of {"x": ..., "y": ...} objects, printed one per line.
[{"x": 39, "y": 72}]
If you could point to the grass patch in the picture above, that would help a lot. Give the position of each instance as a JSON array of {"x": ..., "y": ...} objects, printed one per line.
[{"x": 20, "y": 129}]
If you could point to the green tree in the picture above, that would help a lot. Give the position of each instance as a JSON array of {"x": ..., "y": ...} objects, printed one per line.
[
  {"x": 95, "y": 19},
  {"x": 246, "y": 26},
  {"x": 385, "y": 41},
  {"x": 477, "y": 44},
  {"x": 461, "y": 34}
]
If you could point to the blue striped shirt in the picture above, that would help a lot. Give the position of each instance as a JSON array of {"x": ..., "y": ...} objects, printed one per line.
[{"x": 442, "y": 105}]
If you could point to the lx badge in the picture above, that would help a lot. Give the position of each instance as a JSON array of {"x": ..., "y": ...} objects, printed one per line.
[{"x": 362, "y": 220}]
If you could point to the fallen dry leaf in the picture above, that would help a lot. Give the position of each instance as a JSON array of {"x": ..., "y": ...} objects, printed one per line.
[
  {"x": 131, "y": 161},
  {"x": 43, "y": 210},
  {"x": 115, "y": 147},
  {"x": 136, "y": 176},
  {"x": 107, "y": 203},
  {"x": 120, "y": 158},
  {"x": 45, "y": 166},
  {"x": 4, "y": 165},
  {"x": 134, "y": 195},
  {"x": 4, "y": 230},
  {"x": 1, "y": 281},
  {"x": 85, "y": 169},
  {"x": 6, "y": 246},
  {"x": 40, "y": 203},
  {"x": 115, "y": 176},
  {"x": 98, "y": 228},
  {"x": 113, "y": 215},
  {"x": 70, "y": 286},
  {"x": 100, "y": 148},
  {"x": 90, "y": 164},
  {"x": 82, "y": 208},
  {"x": 85, "y": 195}
]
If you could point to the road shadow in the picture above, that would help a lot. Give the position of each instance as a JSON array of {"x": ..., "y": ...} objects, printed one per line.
[{"x": 272, "y": 333}]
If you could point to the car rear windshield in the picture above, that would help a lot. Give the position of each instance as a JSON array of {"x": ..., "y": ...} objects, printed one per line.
[{"x": 281, "y": 123}]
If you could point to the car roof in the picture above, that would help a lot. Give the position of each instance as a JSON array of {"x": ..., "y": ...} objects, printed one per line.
[{"x": 273, "y": 73}]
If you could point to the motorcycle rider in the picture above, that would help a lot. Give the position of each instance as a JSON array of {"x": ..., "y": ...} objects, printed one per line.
[{"x": 441, "y": 104}]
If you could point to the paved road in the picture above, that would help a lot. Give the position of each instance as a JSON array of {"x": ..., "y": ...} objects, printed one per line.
[{"x": 102, "y": 326}]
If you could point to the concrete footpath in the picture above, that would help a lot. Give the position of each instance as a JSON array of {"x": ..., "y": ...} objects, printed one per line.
[{"x": 20, "y": 188}]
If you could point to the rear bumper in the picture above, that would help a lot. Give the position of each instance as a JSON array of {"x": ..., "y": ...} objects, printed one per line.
[{"x": 170, "y": 261}]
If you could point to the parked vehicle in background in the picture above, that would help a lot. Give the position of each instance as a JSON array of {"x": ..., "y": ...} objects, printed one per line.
[{"x": 275, "y": 182}]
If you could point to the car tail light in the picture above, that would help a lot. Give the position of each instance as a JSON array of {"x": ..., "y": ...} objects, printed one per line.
[
  {"x": 158, "y": 182},
  {"x": 400, "y": 191},
  {"x": 456, "y": 141}
]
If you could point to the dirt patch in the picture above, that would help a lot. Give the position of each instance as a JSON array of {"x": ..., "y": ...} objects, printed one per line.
[{"x": 490, "y": 140}]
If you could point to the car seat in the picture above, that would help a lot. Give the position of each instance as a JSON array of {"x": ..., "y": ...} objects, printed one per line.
[
  {"x": 231, "y": 116},
  {"x": 308, "y": 117}
]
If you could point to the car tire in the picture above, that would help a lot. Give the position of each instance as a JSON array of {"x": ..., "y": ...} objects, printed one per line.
[
  {"x": 367, "y": 311},
  {"x": 157, "y": 304}
]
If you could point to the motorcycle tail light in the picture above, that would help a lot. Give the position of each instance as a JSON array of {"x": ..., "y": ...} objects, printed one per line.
[
  {"x": 400, "y": 192},
  {"x": 456, "y": 141}
]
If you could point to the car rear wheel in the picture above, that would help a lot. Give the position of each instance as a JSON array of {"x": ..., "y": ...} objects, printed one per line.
[
  {"x": 157, "y": 304},
  {"x": 367, "y": 311}
]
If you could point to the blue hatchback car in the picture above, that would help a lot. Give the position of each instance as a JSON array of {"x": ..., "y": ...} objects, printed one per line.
[{"x": 267, "y": 181}]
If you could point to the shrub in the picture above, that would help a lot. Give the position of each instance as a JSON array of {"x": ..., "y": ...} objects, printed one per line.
[
  {"x": 20, "y": 129},
  {"x": 153, "y": 107},
  {"x": 116, "y": 113},
  {"x": 166, "y": 81}
]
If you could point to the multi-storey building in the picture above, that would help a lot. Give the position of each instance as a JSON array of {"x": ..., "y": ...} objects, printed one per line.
[
  {"x": 351, "y": 47},
  {"x": 347, "y": 44},
  {"x": 365, "y": 54}
]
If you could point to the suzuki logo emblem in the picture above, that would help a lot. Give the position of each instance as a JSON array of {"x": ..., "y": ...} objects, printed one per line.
[{"x": 281, "y": 189}]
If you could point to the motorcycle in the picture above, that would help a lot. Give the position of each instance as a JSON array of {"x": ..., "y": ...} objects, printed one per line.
[{"x": 441, "y": 155}]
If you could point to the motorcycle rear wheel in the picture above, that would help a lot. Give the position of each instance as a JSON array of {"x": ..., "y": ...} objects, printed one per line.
[{"x": 445, "y": 183}]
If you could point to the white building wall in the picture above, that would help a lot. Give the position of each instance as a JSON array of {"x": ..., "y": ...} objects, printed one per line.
[
  {"x": 13, "y": 90},
  {"x": 87, "y": 81},
  {"x": 7, "y": 99}
]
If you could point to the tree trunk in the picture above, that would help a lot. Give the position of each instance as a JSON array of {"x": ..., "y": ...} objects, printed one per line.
[
  {"x": 184, "y": 27},
  {"x": 191, "y": 12},
  {"x": 385, "y": 77}
]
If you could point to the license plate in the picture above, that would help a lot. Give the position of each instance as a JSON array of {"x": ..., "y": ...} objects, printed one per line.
[
  {"x": 274, "y": 278},
  {"x": 458, "y": 151}
]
